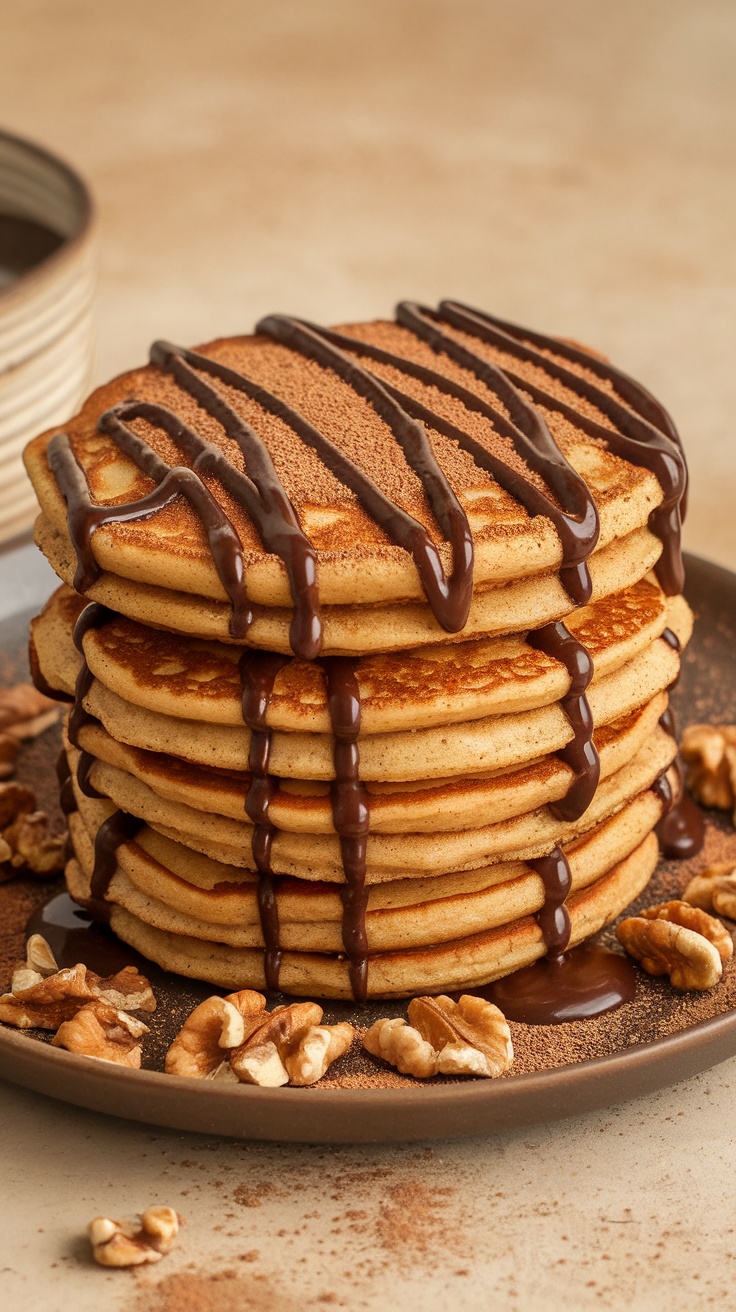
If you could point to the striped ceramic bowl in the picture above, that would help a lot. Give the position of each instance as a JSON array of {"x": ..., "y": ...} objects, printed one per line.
[{"x": 46, "y": 287}]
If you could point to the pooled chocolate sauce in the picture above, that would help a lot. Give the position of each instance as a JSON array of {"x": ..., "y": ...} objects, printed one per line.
[
  {"x": 75, "y": 935},
  {"x": 258, "y": 670},
  {"x": 350, "y": 814},
  {"x": 577, "y": 986},
  {"x": 580, "y": 754}
]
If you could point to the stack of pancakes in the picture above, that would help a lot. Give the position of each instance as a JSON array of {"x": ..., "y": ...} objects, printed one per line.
[{"x": 369, "y": 634}]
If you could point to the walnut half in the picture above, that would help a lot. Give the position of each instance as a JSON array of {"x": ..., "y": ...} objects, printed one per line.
[
  {"x": 236, "y": 1038},
  {"x": 664, "y": 948},
  {"x": 101, "y": 1031},
  {"x": 467, "y": 1037},
  {"x": 714, "y": 889},
  {"x": 709, "y": 752}
]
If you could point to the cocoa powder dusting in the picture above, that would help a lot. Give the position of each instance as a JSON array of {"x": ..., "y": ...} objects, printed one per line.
[{"x": 219, "y": 1291}]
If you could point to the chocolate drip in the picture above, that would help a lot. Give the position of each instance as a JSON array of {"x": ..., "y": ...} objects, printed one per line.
[
  {"x": 39, "y": 682},
  {"x": 93, "y": 616},
  {"x": 449, "y": 599},
  {"x": 645, "y": 432},
  {"x": 554, "y": 917},
  {"x": 350, "y": 814},
  {"x": 580, "y": 754},
  {"x": 670, "y": 637},
  {"x": 681, "y": 830},
  {"x": 258, "y": 671},
  {"x": 86, "y": 761},
  {"x": 119, "y": 828},
  {"x": 570, "y": 531},
  {"x": 577, "y": 525},
  {"x": 84, "y": 516},
  {"x": 67, "y": 800},
  {"x": 648, "y": 438},
  {"x": 258, "y": 489}
]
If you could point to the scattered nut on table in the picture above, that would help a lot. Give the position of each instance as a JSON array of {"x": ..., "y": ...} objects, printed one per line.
[
  {"x": 664, "y": 948},
  {"x": 236, "y": 1038},
  {"x": 119, "y": 1243},
  {"x": 709, "y": 752},
  {"x": 467, "y": 1037}
]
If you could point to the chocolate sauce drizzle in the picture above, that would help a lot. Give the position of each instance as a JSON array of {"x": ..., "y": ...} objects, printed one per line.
[
  {"x": 647, "y": 437},
  {"x": 93, "y": 616},
  {"x": 350, "y": 813},
  {"x": 450, "y": 598},
  {"x": 644, "y": 432},
  {"x": 554, "y": 917},
  {"x": 681, "y": 830},
  {"x": 580, "y": 754},
  {"x": 120, "y": 827},
  {"x": 258, "y": 671}
]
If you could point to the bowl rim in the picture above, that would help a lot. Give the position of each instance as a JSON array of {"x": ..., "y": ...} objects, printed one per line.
[{"x": 70, "y": 244}]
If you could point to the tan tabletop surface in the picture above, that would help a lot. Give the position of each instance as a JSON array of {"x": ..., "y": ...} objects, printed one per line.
[{"x": 570, "y": 165}]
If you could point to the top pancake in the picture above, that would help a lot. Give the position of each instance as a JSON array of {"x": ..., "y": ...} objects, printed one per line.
[{"x": 357, "y": 563}]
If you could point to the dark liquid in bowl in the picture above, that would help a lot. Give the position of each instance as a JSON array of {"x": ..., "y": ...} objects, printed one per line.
[{"x": 24, "y": 244}]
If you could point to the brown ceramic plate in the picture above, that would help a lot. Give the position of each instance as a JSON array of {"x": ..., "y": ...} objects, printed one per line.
[{"x": 438, "y": 1110}]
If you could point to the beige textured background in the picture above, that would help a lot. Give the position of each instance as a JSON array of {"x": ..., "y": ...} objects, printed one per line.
[{"x": 569, "y": 164}]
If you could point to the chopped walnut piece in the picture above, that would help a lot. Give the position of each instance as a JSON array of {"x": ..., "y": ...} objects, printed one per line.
[
  {"x": 471, "y": 1036},
  {"x": 101, "y": 1031},
  {"x": 118, "y": 1243},
  {"x": 9, "y": 748},
  {"x": 23, "y": 702},
  {"x": 216, "y": 1025},
  {"x": 260, "y": 1059},
  {"x": 709, "y": 752},
  {"x": 681, "y": 913},
  {"x": 307, "y": 1061},
  {"x": 33, "y": 847},
  {"x": 31, "y": 728},
  {"x": 40, "y": 962},
  {"x": 46, "y": 1002},
  {"x": 663, "y": 948},
  {"x": 401, "y": 1046},
  {"x": 15, "y": 800},
  {"x": 714, "y": 889},
  {"x": 724, "y": 896}
]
